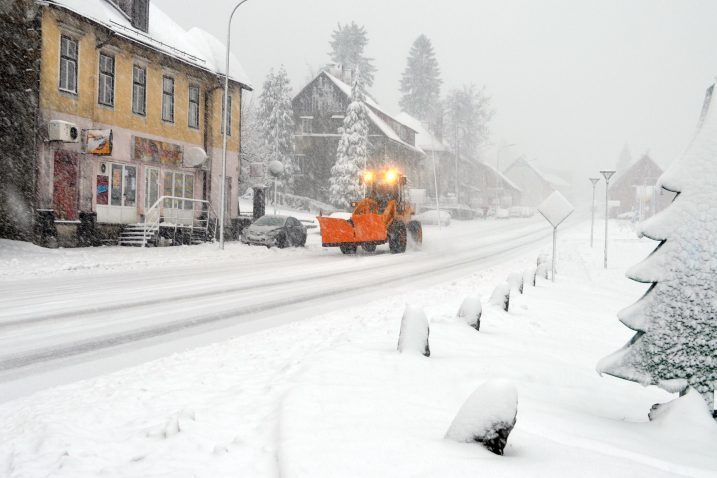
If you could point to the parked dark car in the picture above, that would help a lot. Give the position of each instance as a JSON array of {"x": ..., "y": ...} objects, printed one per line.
[{"x": 279, "y": 231}]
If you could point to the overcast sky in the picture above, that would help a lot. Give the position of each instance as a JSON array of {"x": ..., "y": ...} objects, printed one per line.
[{"x": 571, "y": 81}]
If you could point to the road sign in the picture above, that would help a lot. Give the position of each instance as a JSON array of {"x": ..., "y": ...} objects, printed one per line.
[{"x": 555, "y": 209}]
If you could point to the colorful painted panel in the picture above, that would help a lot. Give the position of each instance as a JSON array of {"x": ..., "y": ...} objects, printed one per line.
[
  {"x": 99, "y": 142},
  {"x": 152, "y": 151}
]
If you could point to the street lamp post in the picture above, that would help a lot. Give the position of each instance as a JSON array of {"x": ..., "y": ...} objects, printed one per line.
[
  {"x": 225, "y": 115},
  {"x": 607, "y": 175},
  {"x": 592, "y": 208}
]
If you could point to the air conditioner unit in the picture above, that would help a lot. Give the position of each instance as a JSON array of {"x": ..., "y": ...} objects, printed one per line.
[{"x": 58, "y": 130}]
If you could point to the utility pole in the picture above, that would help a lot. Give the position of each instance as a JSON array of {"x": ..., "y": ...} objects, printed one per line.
[
  {"x": 607, "y": 175},
  {"x": 592, "y": 208}
]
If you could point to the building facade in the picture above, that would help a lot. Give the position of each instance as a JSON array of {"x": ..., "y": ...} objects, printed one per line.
[
  {"x": 129, "y": 109},
  {"x": 319, "y": 110},
  {"x": 636, "y": 191}
]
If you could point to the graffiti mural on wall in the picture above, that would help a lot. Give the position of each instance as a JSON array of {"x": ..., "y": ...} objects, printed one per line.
[{"x": 152, "y": 151}]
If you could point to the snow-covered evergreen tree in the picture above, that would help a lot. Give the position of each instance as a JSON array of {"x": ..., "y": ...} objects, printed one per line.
[
  {"x": 352, "y": 153},
  {"x": 276, "y": 120},
  {"x": 347, "y": 48},
  {"x": 421, "y": 82},
  {"x": 675, "y": 346},
  {"x": 253, "y": 149}
]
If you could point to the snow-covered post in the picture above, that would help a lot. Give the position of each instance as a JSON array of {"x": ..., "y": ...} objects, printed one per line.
[
  {"x": 675, "y": 320},
  {"x": 592, "y": 208},
  {"x": 555, "y": 209},
  {"x": 471, "y": 311},
  {"x": 413, "y": 337},
  {"x": 607, "y": 175},
  {"x": 487, "y": 416},
  {"x": 501, "y": 296}
]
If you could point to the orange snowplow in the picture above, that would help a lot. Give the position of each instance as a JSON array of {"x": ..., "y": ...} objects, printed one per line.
[{"x": 383, "y": 216}]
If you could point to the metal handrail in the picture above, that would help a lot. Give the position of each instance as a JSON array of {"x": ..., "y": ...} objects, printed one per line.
[{"x": 158, "y": 209}]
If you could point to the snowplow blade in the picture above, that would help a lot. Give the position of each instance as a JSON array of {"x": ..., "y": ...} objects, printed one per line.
[
  {"x": 369, "y": 228},
  {"x": 365, "y": 228},
  {"x": 335, "y": 231}
]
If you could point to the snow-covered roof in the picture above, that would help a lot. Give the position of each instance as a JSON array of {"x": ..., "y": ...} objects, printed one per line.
[
  {"x": 424, "y": 138},
  {"x": 552, "y": 179},
  {"x": 501, "y": 176},
  {"x": 619, "y": 176},
  {"x": 195, "y": 47},
  {"x": 372, "y": 110}
]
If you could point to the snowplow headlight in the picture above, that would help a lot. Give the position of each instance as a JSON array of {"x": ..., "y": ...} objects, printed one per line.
[
  {"x": 391, "y": 177},
  {"x": 367, "y": 176}
]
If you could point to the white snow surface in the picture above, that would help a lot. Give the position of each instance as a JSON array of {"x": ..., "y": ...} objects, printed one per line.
[
  {"x": 330, "y": 396},
  {"x": 493, "y": 403},
  {"x": 195, "y": 46}
]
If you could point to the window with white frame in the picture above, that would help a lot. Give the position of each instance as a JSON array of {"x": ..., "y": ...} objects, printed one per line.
[
  {"x": 68, "y": 64},
  {"x": 168, "y": 99},
  {"x": 178, "y": 185},
  {"x": 194, "y": 106},
  {"x": 106, "y": 87},
  {"x": 139, "y": 90}
]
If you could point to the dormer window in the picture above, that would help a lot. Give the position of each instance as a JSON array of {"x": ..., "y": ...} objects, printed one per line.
[{"x": 140, "y": 15}]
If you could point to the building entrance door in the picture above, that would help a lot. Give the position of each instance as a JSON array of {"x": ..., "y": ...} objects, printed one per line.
[
  {"x": 65, "y": 187},
  {"x": 151, "y": 193}
]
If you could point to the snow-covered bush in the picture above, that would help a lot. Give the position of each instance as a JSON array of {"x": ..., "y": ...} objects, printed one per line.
[
  {"x": 543, "y": 270},
  {"x": 413, "y": 337},
  {"x": 687, "y": 412},
  {"x": 515, "y": 279},
  {"x": 471, "y": 311},
  {"x": 543, "y": 259},
  {"x": 501, "y": 296},
  {"x": 487, "y": 416},
  {"x": 676, "y": 320},
  {"x": 529, "y": 276}
]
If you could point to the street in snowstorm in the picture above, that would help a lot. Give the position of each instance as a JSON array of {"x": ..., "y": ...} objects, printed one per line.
[{"x": 358, "y": 239}]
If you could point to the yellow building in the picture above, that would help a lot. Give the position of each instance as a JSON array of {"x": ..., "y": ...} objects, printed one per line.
[{"x": 131, "y": 107}]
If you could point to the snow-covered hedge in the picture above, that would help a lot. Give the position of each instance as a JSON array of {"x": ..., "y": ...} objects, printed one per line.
[
  {"x": 501, "y": 296},
  {"x": 487, "y": 416},
  {"x": 471, "y": 311},
  {"x": 515, "y": 279},
  {"x": 413, "y": 337},
  {"x": 529, "y": 276}
]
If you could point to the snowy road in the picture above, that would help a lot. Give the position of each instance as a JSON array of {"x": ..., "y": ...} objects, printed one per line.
[{"x": 71, "y": 319}]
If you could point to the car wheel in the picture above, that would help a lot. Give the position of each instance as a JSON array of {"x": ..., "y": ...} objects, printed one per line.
[{"x": 281, "y": 241}]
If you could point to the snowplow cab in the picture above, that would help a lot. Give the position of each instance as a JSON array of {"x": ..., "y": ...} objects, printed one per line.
[{"x": 384, "y": 215}]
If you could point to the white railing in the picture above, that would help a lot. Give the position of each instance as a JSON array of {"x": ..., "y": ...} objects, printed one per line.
[{"x": 182, "y": 213}]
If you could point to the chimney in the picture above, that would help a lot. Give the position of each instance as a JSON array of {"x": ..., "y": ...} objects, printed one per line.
[
  {"x": 137, "y": 11},
  {"x": 140, "y": 15}
]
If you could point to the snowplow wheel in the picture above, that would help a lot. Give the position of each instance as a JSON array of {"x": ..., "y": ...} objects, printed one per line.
[
  {"x": 416, "y": 231},
  {"x": 348, "y": 249},
  {"x": 397, "y": 237},
  {"x": 369, "y": 247}
]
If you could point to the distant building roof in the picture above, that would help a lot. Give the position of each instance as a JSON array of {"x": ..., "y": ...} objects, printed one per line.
[
  {"x": 555, "y": 181},
  {"x": 645, "y": 160},
  {"x": 195, "y": 47},
  {"x": 424, "y": 138},
  {"x": 373, "y": 107}
]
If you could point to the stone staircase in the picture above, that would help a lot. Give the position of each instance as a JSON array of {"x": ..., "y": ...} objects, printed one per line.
[{"x": 137, "y": 235}]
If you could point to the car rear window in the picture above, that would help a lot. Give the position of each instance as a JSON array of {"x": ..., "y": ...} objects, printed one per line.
[{"x": 270, "y": 221}]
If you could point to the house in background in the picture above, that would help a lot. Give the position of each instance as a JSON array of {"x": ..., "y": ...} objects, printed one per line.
[
  {"x": 480, "y": 186},
  {"x": 636, "y": 190},
  {"x": 319, "y": 110},
  {"x": 534, "y": 184},
  {"x": 128, "y": 109}
]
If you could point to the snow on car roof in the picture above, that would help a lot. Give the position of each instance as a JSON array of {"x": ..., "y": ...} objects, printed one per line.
[{"x": 195, "y": 47}]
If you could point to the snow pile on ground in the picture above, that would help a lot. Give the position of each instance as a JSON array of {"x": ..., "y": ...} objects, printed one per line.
[
  {"x": 332, "y": 397},
  {"x": 471, "y": 311},
  {"x": 413, "y": 336}
]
